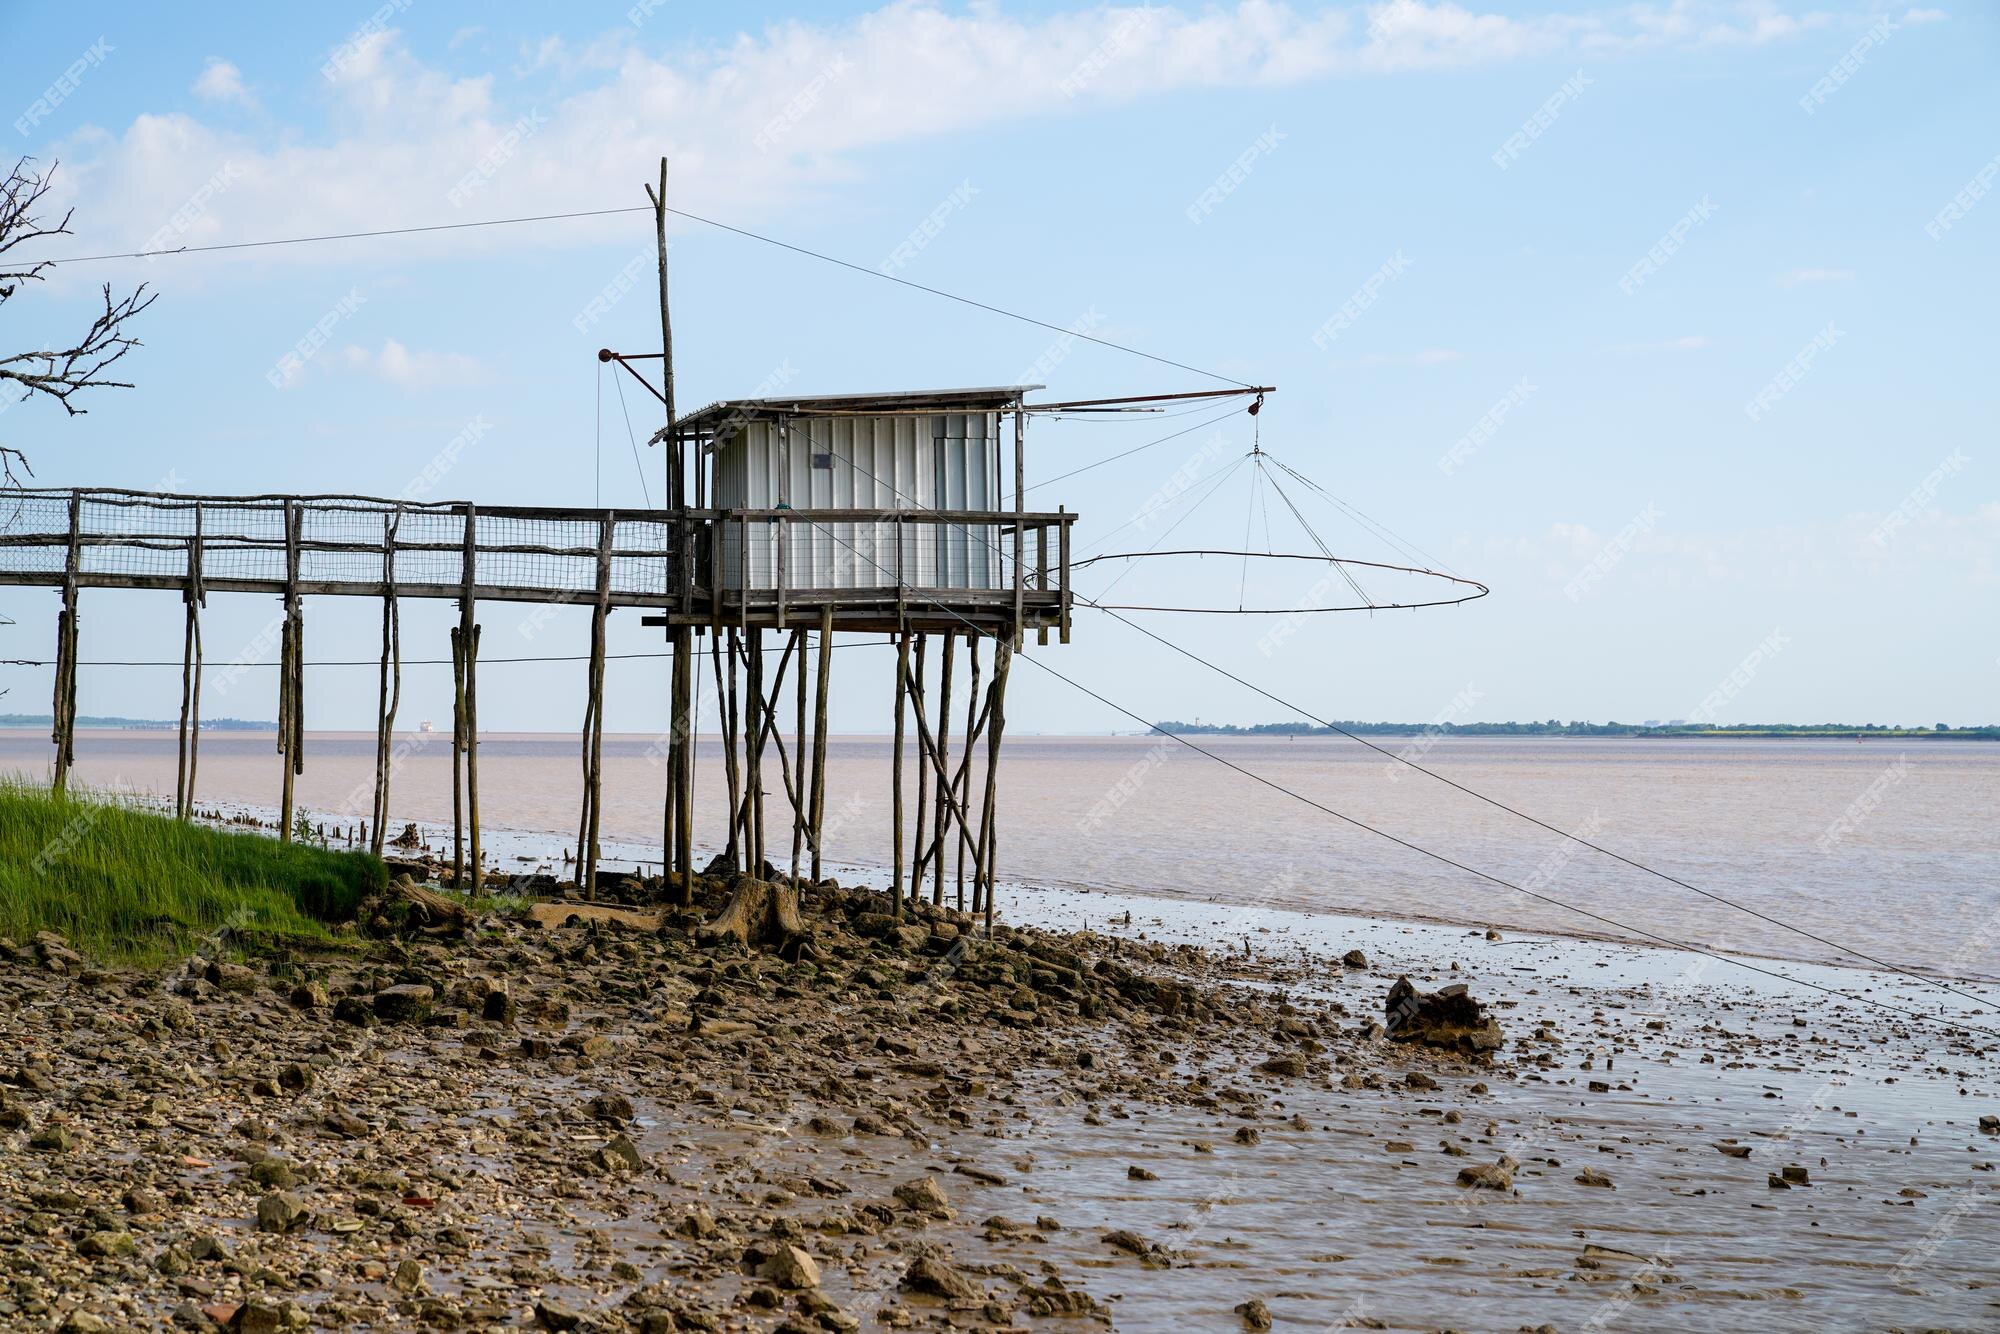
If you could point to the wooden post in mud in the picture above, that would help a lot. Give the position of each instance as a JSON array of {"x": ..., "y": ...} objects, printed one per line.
[
  {"x": 469, "y": 633},
  {"x": 457, "y": 756},
  {"x": 819, "y": 739},
  {"x": 291, "y": 674},
  {"x": 962, "y": 785},
  {"x": 725, "y": 705},
  {"x": 677, "y": 846},
  {"x": 195, "y": 597},
  {"x": 593, "y": 718},
  {"x": 753, "y": 754},
  {"x": 1003, "y": 661},
  {"x": 63, "y": 729},
  {"x": 920, "y": 844},
  {"x": 389, "y": 693},
  {"x": 896, "y": 769},
  {"x": 942, "y": 818},
  {"x": 800, "y": 808}
]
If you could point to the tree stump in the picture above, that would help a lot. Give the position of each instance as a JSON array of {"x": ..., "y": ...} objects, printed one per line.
[{"x": 759, "y": 913}]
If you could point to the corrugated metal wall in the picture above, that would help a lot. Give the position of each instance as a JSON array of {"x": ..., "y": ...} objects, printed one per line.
[{"x": 941, "y": 461}]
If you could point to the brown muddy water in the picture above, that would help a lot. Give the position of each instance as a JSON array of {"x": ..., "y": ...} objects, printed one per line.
[{"x": 1893, "y": 846}]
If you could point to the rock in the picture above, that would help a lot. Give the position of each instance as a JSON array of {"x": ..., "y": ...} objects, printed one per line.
[
  {"x": 1248, "y": 1135},
  {"x": 232, "y": 977},
  {"x": 924, "y": 1195},
  {"x": 499, "y": 1007},
  {"x": 258, "y": 1317},
  {"x": 1734, "y": 1150},
  {"x": 1355, "y": 959},
  {"x": 1990, "y": 1124},
  {"x": 932, "y": 1276},
  {"x": 790, "y": 1267},
  {"x": 1590, "y": 1176},
  {"x": 1777, "y": 1182},
  {"x": 619, "y": 1155},
  {"x": 1490, "y": 1176},
  {"x": 553, "y": 1315},
  {"x": 83, "y": 1322},
  {"x": 143, "y": 1200},
  {"x": 1255, "y": 1314},
  {"x": 109, "y": 1245},
  {"x": 281, "y": 1211},
  {"x": 345, "y": 1123},
  {"x": 1420, "y": 1081},
  {"x": 1289, "y": 1064},
  {"x": 409, "y": 1276},
  {"x": 52, "y": 1139},
  {"x": 1796, "y": 1175},
  {"x": 408, "y": 1003},
  {"x": 274, "y": 1173},
  {"x": 1448, "y": 1018},
  {"x": 309, "y": 996},
  {"x": 353, "y": 1010},
  {"x": 611, "y": 1107},
  {"x": 1137, "y": 1173}
]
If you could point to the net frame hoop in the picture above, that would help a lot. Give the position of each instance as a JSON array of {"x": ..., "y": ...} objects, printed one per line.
[{"x": 1480, "y": 590}]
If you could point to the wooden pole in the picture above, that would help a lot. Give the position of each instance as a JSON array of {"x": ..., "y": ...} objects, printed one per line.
[
  {"x": 819, "y": 739},
  {"x": 593, "y": 737},
  {"x": 944, "y": 773},
  {"x": 963, "y": 784},
  {"x": 1003, "y": 661},
  {"x": 896, "y": 768},
  {"x": 190, "y": 729},
  {"x": 921, "y": 844},
  {"x": 389, "y": 697},
  {"x": 725, "y": 704},
  {"x": 291, "y": 673},
  {"x": 677, "y": 849},
  {"x": 457, "y": 756},
  {"x": 63, "y": 730},
  {"x": 753, "y": 755},
  {"x": 469, "y": 632},
  {"x": 800, "y": 810}
]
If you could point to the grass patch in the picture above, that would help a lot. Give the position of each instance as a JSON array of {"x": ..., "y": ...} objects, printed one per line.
[{"x": 128, "y": 885}]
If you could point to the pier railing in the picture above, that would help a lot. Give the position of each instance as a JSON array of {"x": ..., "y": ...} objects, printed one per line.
[{"x": 761, "y": 566}]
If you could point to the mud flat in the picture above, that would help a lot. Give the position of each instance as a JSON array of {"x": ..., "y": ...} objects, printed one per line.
[{"x": 1114, "y": 1113}]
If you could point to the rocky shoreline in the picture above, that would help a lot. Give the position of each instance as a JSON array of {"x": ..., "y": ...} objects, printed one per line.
[{"x": 507, "y": 1126}]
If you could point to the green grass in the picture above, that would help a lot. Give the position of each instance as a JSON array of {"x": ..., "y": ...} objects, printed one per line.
[{"x": 126, "y": 885}]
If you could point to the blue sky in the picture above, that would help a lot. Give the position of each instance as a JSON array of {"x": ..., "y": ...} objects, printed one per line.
[{"x": 1502, "y": 172}]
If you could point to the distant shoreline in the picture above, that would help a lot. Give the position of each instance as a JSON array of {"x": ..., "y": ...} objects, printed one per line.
[{"x": 1741, "y": 731}]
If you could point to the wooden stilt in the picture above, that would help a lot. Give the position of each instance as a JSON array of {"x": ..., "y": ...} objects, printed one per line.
[
  {"x": 63, "y": 709},
  {"x": 896, "y": 769},
  {"x": 389, "y": 693},
  {"x": 819, "y": 740},
  {"x": 593, "y": 737},
  {"x": 963, "y": 784},
  {"x": 457, "y": 756},
  {"x": 800, "y": 810},
  {"x": 941, "y": 817},
  {"x": 291, "y": 671},
  {"x": 190, "y": 730},
  {"x": 753, "y": 768},
  {"x": 683, "y": 768},
  {"x": 1003, "y": 661},
  {"x": 725, "y": 703},
  {"x": 469, "y": 632},
  {"x": 921, "y": 844}
]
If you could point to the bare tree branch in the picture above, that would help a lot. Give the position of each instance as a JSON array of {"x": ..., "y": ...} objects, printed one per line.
[{"x": 57, "y": 373}]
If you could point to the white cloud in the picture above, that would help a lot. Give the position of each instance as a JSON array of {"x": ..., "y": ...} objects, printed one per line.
[
  {"x": 221, "y": 81},
  {"x": 1800, "y": 277},
  {"x": 413, "y": 370},
  {"x": 1685, "y": 343},
  {"x": 1924, "y": 16},
  {"x": 762, "y": 122}
]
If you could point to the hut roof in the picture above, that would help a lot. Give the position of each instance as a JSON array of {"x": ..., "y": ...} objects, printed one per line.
[{"x": 704, "y": 421}]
